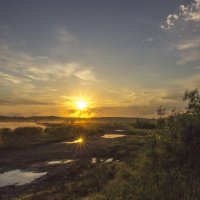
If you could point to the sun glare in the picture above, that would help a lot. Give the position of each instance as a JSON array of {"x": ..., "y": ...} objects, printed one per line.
[
  {"x": 80, "y": 142},
  {"x": 81, "y": 105}
]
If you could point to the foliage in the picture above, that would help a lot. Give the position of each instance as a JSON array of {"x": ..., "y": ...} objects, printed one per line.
[
  {"x": 169, "y": 166},
  {"x": 144, "y": 124},
  {"x": 193, "y": 99}
]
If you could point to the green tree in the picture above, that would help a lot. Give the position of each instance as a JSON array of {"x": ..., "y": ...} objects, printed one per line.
[{"x": 193, "y": 98}]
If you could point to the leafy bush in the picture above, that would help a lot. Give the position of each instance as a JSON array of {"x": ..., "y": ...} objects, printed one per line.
[{"x": 170, "y": 167}]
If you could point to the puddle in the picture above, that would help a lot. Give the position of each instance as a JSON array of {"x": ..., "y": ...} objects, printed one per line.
[
  {"x": 110, "y": 136},
  {"x": 57, "y": 162},
  {"x": 80, "y": 140},
  {"x": 14, "y": 125},
  {"x": 94, "y": 160},
  {"x": 120, "y": 130},
  {"x": 109, "y": 160},
  {"x": 18, "y": 177}
]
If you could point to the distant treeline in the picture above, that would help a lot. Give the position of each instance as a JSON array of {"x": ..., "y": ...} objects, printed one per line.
[
  {"x": 30, "y": 119},
  {"x": 68, "y": 119}
]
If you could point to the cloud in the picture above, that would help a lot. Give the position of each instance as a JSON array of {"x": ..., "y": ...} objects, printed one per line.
[
  {"x": 183, "y": 30},
  {"x": 150, "y": 39},
  {"x": 16, "y": 66},
  {"x": 86, "y": 75},
  {"x": 185, "y": 13},
  {"x": 186, "y": 57},
  {"x": 170, "y": 21},
  {"x": 15, "y": 102},
  {"x": 148, "y": 111},
  {"x": 12, "y": 58},
  {"x": 10, "y": 78},
  {"x": 52, "y": 72},
  {"x": 182, "y": 84},
  {"x": 64, "y": 36},
  {"x": 188, "y": 44}
]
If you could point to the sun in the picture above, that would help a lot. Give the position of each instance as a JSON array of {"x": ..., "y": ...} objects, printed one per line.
[{"x": 81, "y": 105}]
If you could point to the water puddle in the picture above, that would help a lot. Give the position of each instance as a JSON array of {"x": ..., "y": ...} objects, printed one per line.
[
  {"x": 18, "y": 177},
  {"x": 79, "y": 140},
  {"x": 94, "y": 161},
  {"x": 120, "y": 130},
  {"x": 111, "y": 136},
  {"x": 109, "y": 160},
  {"x": 58, "y": 162},
  {"x": 14, "y": 125}
]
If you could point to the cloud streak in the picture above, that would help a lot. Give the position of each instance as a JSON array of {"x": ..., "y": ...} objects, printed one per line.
[
  {"x": 64, "y": 36},
  {"x": 10, "y": 78},
  {"x": 16, "y": 102},
  {"x": 189, "y": 44}
]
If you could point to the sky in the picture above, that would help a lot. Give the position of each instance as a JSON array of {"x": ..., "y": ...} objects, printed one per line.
[{"x": 125, "y": 57}]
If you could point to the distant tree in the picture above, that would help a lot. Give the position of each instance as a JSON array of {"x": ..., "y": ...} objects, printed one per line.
[
  {"x": 161, "y": 112},
  {"x": 193, "y": 98}
]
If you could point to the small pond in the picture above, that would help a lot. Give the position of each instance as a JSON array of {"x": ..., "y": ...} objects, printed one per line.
[
  {"x": 57, "y": 162},
  {"x": 111, "y": 136},
  {"x": 18, "y": 177}
]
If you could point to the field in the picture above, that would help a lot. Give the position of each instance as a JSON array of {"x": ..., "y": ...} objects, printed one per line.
[{"x": 92, "y": 164}]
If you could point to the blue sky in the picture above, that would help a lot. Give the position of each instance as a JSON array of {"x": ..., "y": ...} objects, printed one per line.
[{"x": 126, "y": 57}]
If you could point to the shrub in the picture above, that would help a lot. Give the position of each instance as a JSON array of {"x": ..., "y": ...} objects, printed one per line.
[
  {"x": 144, "y": 124},
  {"x": 20, "y": 137}
]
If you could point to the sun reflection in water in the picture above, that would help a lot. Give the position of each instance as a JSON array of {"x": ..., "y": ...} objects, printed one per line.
[{"x": 80, "y": 142}]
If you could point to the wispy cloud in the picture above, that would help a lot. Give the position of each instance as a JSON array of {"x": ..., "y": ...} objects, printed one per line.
[
  {"x": 63, "y": 35},
  {"x": 24, "y": 102},
  {"x": 189, "y": 44},
  {"x": 86, "y": 75},
  {"x": 188, "y": 50},
  {"x": 10, "y": 78},
  {"x": 16, "y": 65},
  {"x": 150, "y": 39},
  {"x": 52, "y": 72},
  {"x": 186, "y": 57}
]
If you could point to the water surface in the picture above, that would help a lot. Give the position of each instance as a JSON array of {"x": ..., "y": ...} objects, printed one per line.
[
  {"x": 14, "y": 125},
  {"x": 109, "y": 160},
  {"x": 111, "y": 136},
  {"x": 57, "y": 162},
  {"x": 94, "y": 160},
  {"x": 18, "y": 177}
]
